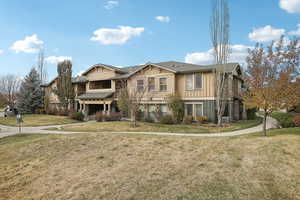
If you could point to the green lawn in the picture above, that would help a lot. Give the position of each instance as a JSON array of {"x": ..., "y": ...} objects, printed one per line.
[
  {"x": 117, "y": 166},
  {"x": 37, "y": 120},
  {"x": 155, "y": 127}
]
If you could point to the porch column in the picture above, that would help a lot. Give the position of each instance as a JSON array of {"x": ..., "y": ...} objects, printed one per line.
[
  {"x": 231, "y": 110},
  {"x": 104, "y": 108},
  {"x": 109, "y": 108},
  {"x": 79, "y": 109},
  {"x": 244, "y": 117}
]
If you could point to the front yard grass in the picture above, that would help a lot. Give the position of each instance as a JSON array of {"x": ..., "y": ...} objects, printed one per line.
[
  {"x": 37, "y": 120},
  {"x": 155, "y": 127},
  {"x": 116, "y": 166}
]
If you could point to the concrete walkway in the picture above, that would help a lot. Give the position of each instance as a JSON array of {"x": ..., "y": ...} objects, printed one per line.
[{"x": 6, "y": 131}]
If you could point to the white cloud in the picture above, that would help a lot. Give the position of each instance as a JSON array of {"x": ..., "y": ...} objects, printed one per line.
[
  {"x": 111, "y": 4},
  {"x": 57, "y": 59},
  {"x": 266, "y": 34},
  {"x": 1, "y": 51},
  {"x": 121, "y": 35},
  {"x": 30, "y": 44},
  {"x": 296, "y": 32},
  {"x": 163, "y": 18},
  {"x": 80, "y": 73},
  {"x": 291, "y": 6},
  {"x": 238, "y": 54}
]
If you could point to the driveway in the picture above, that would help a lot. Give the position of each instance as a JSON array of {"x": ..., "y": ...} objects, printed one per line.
[{"x": 10, "y": 131}]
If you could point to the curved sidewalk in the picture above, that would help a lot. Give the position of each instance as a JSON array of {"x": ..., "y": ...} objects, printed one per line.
[{"x": 6, "y": 131}]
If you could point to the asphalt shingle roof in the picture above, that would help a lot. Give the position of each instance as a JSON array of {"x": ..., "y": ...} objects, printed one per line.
[{"x": 176, "y": 67}]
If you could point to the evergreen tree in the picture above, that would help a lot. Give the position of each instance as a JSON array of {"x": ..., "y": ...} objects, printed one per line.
[{"x": 31, "y": 95}]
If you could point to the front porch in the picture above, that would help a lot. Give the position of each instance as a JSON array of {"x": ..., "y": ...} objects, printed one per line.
[{"x": 91, "y": 103}]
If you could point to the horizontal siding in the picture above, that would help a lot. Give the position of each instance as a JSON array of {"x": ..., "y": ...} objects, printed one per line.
[
  {"x": 156, "y": 73},
  {"x": 100, "y": 73}
]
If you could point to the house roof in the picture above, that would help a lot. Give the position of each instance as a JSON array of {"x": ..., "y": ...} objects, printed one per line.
[
  {"x": 178, "y": 68},
  {"x": 98, "y": 95},
  {"x": 181, "y": 67},
  {"x": 173, "y": 66},
  {"x": 79, "y": 79},
  {"x": 110, "y": 67}
]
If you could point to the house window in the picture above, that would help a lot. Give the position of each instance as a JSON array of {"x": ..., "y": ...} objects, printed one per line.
[
  {"x": 189, "y": 109},
  {"x": 189, "y": 82},
  {"x": 193, "y": 81},
  {"x": 198, "y": 110},
  {"x": 94, "y": 85},
  {"x": 198, "y": 81},
  {"x": 151, "y": 84},
  {"x": 140, "y": 85},
  {"x": 194, "y": 110},
  {"x": 163, "y": 84},
  {"x": 163, "y": 109}
]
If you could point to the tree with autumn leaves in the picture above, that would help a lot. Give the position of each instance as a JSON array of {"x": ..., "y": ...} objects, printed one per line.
[{"x": 272, "y": 77}]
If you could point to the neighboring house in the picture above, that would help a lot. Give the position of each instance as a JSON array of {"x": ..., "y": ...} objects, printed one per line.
[{"x": 96, "y": 89}]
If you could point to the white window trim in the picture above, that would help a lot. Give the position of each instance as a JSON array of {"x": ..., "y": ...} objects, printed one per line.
[
  {"x": 137, "y": 86},
  {"x": 194, "y": 81},
  {"x": 194, "y": 108},
  {"x": 159, "y": 84}
]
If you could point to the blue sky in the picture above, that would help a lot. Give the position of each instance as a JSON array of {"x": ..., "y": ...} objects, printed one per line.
[{"x": 132, "y": 32}]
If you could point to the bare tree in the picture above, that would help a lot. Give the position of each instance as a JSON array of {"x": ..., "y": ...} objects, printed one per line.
[
  {"x": 129, "y": 100},
  {"x": 41, "y": 67},
  {"x": 9, "y": 87},
  {"x": 219, "y": 30},
  {"x": 65, "y": 91}
]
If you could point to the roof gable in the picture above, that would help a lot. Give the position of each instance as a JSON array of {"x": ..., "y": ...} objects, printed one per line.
[{"x": 109, "y": 67}]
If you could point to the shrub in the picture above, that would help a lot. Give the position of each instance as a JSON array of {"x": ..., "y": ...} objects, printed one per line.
[
  {"x": 251, "y": 113},
  {"x": 285, "y": 120},
  {"x": 166, "y": 119},
  {"x": 148, "y": 119},
  {"x": 297, "y": 109},
  {"x": 53, "y": 111},
  {"x": 40, "y": 111},
  {"x": 177, "y": 107},
  {"x": 202, "y": 119},
  {"x": 140, "y": 116},
  {"x": 63, "y": 112},
  {"x": 100, "y": 117},
  {"x": 188, "y": 119},
  {"x": 114, "y": 116},
  {"x": 296, "y": 120},
  {"x": 77, "y": 116}
]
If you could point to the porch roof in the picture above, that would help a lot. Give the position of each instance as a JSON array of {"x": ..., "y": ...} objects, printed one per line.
[{"x": 98, "y": 95}]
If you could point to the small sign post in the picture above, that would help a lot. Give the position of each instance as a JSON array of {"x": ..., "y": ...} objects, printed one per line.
[{"x": 19, "y": 121}]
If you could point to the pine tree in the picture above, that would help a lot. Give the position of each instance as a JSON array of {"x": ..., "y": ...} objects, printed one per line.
[{"x": 31, "y": 95}]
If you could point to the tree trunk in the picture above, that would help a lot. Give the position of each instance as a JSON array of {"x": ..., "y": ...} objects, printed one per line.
[
  {"x": 265, "y": 124},
  {"x": 219, "y": 120}
]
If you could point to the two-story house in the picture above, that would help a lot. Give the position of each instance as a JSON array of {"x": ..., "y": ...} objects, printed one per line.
[{"x": 96, "y": 89}]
